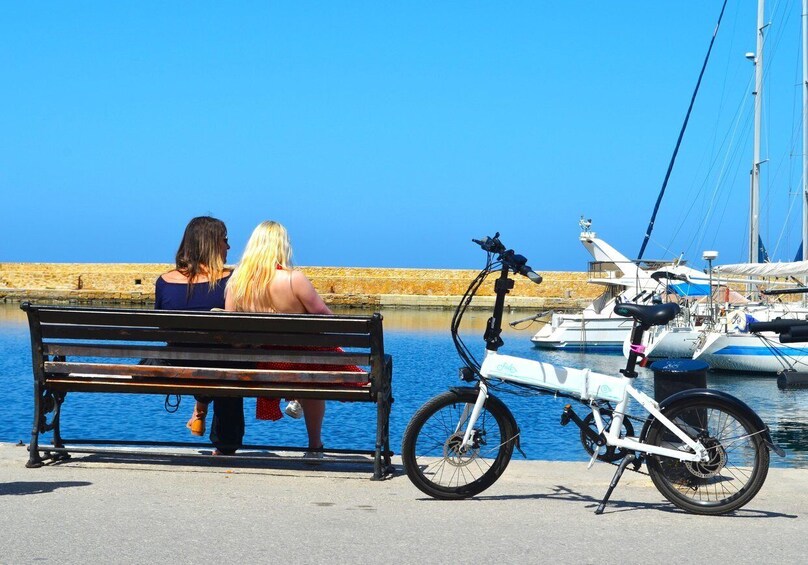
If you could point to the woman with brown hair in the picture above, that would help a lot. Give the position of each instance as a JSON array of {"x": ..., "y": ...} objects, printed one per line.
[{"x": 198, "y": 282}]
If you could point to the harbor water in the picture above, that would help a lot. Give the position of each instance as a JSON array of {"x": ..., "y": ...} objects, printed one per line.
[{"x": 425, "y": 364}]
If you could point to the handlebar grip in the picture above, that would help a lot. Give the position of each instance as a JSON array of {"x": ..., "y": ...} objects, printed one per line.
[
  {"x": 534, "y": 276},
  {"x": 490, "y": 244}
]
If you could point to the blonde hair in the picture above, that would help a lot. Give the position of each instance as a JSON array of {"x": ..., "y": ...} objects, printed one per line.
[{"x": 267, "y": 250}]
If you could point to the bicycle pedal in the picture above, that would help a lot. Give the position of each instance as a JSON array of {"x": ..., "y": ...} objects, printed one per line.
[{"x": 565, "y": 415}]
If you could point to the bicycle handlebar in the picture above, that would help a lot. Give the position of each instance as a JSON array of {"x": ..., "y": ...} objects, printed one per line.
[
  {"x": 515, "y": 262},
  {"x": 490, "y": 244}
]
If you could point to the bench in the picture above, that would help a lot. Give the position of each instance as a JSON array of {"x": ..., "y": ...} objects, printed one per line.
[{"x": 109, "y": 350}]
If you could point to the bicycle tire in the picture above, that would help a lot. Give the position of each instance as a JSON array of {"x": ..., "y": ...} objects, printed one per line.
[
  {"x": 429, "y": 447},
  {"x": 739, "y": 459}
]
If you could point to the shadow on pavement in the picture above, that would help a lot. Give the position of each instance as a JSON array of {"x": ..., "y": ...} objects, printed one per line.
[
  {"x": 203, "y": 459},
  {"x": 614, "y": 506},
  {"x": 25, "y": 487}
]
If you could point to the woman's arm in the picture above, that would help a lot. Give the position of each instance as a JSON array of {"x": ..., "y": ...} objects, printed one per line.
[
  {"x": 229, "y": 305},
  {"x": 308, "y": 297}
]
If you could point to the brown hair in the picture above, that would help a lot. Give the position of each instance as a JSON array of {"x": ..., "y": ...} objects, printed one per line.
[{"x": 200, "y": 251}]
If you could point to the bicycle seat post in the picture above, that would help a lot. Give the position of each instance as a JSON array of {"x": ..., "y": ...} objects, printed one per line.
[{"x": 635, "y": 350}]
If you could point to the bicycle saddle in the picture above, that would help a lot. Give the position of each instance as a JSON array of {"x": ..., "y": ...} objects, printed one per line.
[{"x": 650, "y": 315}]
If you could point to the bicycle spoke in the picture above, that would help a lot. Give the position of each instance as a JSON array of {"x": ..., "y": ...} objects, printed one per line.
[
  {"x": 735, "y": 466},
  {"x": 438, "y": 461}
]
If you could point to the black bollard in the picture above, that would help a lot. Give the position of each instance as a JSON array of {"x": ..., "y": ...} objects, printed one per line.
[{"x": 675, "y": 375}]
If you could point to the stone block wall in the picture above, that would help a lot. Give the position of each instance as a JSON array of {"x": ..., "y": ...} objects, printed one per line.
[{"x": 347, "y": 286}]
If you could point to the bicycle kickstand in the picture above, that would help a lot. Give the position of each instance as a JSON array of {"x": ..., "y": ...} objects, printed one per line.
[{"x": 628, "y": 459}]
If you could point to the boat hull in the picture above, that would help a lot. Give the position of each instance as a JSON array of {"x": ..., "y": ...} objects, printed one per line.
[
  {"x": 571, "y": 332},
  {"x": 751, "y": 353},
  {"x": 671, "y": 343}
]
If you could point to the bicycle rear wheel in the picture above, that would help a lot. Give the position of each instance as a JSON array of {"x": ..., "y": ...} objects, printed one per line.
[
  {"x": 431, "y": 450},
  {"x": 738, "y": 464}
]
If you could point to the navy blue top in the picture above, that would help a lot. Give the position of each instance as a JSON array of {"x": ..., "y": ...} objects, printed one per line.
[{"x": 175, "y": 296}]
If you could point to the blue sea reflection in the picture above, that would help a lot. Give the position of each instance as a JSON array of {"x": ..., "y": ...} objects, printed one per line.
[{"x": 425, "y": 364}]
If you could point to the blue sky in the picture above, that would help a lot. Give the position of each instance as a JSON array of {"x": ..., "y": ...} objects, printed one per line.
[{"x": 390, "y": 134}]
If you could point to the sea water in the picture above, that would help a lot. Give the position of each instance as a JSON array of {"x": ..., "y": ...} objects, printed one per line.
[{"x": 424, "y": 364}]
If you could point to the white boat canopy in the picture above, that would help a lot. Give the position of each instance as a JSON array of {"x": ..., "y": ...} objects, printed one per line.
[{"x": 791, "y": 269}]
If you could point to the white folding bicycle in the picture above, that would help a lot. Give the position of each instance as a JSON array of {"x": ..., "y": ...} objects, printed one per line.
[{"x": 706, "y": 451}]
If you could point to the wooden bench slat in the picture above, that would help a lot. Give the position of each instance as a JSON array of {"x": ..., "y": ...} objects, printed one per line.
[
  {"x": 193, "y": 320},
  {"x": 263, "y": 375},
  {"x": 275, "y": 390},
  {"x": 52, "y": 331},
  {"x": 205, "y": 354}
]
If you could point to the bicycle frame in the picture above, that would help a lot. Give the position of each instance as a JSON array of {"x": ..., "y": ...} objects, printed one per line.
[
  {"x": 581, "y": 384},
  {"x": 585, "y": 386}
]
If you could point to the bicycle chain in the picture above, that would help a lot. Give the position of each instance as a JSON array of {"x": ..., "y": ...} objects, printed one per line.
[{"x": 630, "y": 467}]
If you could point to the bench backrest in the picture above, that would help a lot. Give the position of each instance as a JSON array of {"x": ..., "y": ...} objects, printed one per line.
[{"x": 157, "y": 347}]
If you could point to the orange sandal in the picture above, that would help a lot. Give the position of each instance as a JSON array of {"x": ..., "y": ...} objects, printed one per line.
[{"x": 197, "y": 422}]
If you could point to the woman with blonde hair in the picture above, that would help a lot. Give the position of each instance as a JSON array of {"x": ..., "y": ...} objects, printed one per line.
[{"x": 265, "y": 281}]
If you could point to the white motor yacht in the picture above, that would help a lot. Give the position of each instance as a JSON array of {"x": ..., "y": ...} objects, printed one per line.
[{"x": 596, "y": 326}]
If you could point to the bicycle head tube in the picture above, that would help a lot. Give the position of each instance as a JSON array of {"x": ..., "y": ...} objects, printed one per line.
[{"x": 493, "y": 328}]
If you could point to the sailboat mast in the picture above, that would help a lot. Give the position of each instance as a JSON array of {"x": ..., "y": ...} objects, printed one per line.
[
  {"x": 754, "y": 191},
  {"x": 804, "y": 131}
]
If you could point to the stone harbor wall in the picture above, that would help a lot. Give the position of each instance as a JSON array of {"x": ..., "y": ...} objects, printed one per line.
[{"x": 339, "y": 286}]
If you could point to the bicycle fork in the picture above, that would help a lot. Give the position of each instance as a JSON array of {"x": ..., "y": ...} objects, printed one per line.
[{"x": 475, "y": 413}]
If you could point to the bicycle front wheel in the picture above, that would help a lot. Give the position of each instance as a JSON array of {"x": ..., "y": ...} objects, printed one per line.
[
  {"x": 735, "y": 471},
  {"x": 431, "y": 449}
]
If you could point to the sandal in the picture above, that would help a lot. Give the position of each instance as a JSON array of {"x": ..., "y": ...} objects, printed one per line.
[
  {"x": 197, "y": 422},
  {"x": 314, "y": 456}
]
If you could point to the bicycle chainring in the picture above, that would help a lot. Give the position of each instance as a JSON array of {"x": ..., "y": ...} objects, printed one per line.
[{"x": 608, "y": 453}]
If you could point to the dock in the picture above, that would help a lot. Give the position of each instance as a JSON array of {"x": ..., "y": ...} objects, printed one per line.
[{"x": 92, "y": 509}]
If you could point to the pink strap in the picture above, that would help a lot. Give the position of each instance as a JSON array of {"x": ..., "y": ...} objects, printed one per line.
[{"x": 637, "y": 349}]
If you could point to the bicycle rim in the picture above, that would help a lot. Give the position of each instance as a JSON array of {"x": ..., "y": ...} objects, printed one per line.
[
  {"x": 738, "y": 464},
  {"x": 431, "y": 450}
]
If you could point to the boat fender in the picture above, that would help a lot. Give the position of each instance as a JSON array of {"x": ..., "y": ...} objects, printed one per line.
[{"x": 736, "y": 403}]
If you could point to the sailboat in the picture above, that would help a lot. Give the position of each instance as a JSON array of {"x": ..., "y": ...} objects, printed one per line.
[{"x": 728, "y": 345}]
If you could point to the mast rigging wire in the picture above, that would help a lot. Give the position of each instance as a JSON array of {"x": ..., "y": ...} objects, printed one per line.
[{"x": 681, "y": 135}]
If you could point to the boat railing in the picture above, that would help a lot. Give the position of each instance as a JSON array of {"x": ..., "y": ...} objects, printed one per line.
[
  {"x": 601, "y": 301},
  {"x": 616, "y": 269}
]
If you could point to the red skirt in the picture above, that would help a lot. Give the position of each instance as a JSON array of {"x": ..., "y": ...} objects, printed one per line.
[{"x": 270, "y": 408}]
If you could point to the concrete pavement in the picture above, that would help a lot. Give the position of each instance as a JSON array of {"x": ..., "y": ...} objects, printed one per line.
[{"x": 97, "y": 509}]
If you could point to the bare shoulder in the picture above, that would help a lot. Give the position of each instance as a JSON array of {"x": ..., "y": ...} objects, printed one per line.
[
  {"x": 307, "y": 295},
  {"x": 174, "y": 277},
  {"x": 298, "y": 276}
]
